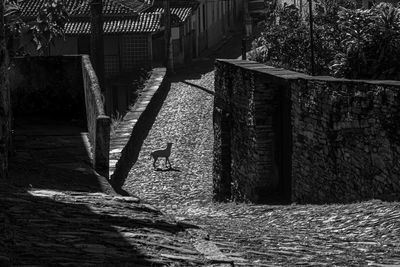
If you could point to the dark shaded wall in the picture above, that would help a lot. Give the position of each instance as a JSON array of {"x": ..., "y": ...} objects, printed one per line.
[
  {"x": 346, "y": 140},
  {"x": 311, "y": 139},
  {"x": 50, "y": 86},
  {"x": 5, "y": 109},
  {"x": 246, "y": 122},
  {"x": 63, "y": 88}
]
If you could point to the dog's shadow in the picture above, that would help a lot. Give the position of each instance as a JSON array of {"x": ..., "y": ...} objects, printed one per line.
[{"x": 168, "y": 169}]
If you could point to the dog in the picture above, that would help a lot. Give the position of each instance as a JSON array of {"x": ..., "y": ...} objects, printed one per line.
[{"x": 165, "y": 153}]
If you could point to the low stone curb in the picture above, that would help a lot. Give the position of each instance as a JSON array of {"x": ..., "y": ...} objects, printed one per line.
[{"x": 127, "y": 141}]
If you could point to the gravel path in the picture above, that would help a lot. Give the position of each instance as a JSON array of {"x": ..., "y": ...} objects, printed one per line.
[{"x": 357, "y": 234}]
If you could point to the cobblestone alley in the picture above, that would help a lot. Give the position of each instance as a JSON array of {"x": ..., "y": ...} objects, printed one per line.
[{"x": 366, "y": 233}]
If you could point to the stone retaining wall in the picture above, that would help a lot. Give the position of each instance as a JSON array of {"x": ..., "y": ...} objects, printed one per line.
[
  {"x": 49, "y": 86},
  {"x": 97, "y": 121},
  {"x": 313, "y": 139},
  {"x": 346, "y": 140},
  {"x": 60, "y": 87},
  {"x": 5, "y": 107},
  {"x": 132, "y": 131}
]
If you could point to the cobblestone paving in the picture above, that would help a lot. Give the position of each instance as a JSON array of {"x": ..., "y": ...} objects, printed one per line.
[
  {"x": 55, "y": 228},
  {"x": 366, "y": 233}
]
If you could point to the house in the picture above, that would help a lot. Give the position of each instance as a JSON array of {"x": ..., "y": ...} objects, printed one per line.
[
  {"x": 183, "y": 31},
  {"x": 196, "y": 26},
  {"x": 215, "y": 18},
  {"x": 134, "y": 34},
  {"x": 133, "y": 30},
  {"x": 127, "y": 32}
]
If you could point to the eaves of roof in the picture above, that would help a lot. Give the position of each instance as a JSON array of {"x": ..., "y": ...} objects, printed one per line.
[
  {"x": 142, "y": 23},
  {"x": 79, "y": 8},
  {"x": 182, "y": 13}
]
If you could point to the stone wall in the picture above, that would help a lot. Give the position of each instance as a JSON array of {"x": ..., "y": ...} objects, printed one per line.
[
  {"x": 246, "y": 127},
  {"x": 346, "y": 140},
  {"x": 98, "y": 123},
  {"x": 310, "y": 139},
  {"x": 47, "y": 86},
  {"x": 63, "y": 87},
  {"x": 5, "y": 111},
  {"x": 127, "y": 141}
]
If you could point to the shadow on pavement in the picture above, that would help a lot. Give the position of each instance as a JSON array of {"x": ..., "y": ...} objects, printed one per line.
[
  {"x": 168, "y": 170},
  {"x": 230, "y": 49},
  {"x": 199, "y": 87},
  {"x": 50, "y": 153},
  {"x": 27, "y": 175},
  {"x": 140, "y": 132},
  {"x": 46, "y": 228},
  {"x": 193, "y": 71}
]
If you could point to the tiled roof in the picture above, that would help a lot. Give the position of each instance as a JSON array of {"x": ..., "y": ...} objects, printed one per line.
[
  {"x": 181, "y": 12},
  {"x": 30, "y": 8},
  {"x": 138, "y": 5},
  {"x": 144, "y": 23},
  {"x": 178, "y": 3},
  {"x": 181, "y": 9}
]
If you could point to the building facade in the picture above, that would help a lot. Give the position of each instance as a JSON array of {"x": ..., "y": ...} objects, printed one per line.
[
  {"x": 196, "y": 26},
  {"x": 215, "y": 19},
  {"x": 127, "y": 33}
]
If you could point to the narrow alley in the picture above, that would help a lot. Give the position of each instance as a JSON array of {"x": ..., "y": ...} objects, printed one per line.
[{"x": 364, "y": 233}]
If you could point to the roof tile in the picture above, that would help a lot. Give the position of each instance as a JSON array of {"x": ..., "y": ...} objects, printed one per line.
[
  {"x": 181, "y": 12},
  {"x": 30, "y": 8},
  {"x": 144, "y": 23}
]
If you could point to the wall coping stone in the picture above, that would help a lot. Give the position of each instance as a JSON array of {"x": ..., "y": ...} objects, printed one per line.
[
  {"x": 98, "y": 122},
  {"x": 293, "y": 75},
  {"x": 122, "y": 142}
]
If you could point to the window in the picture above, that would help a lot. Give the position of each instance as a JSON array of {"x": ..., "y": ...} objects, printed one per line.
[
  {"x": 111, "y": 65},
  {"x": 134, "y": 52}
]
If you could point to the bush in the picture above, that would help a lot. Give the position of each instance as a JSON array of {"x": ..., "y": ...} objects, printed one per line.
[
  {"x": 283, "y": 44},
  {"x": 348, "y": 42},
  {"x": 370, "y": 43}
]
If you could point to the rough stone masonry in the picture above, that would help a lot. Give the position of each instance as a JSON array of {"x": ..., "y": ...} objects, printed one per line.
[
  {"x": 309, "y": 139},
  {"x": 5, "y": 109}
]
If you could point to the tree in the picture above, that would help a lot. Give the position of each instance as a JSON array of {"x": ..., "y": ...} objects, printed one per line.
[
  {"x": 370, "y": 43},
  {"x": 41, "y": 32},
  {"x": 350, "y": 43},
  {"x": 48, "y": 25}
]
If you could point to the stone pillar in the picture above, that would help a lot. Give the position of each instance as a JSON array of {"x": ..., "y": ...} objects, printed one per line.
[
  {"x": 222, "y": 156},
  {"x": 102, "y": 146}
]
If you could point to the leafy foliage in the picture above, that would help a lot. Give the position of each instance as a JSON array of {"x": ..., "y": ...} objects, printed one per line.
[
  {"x": 370, "y": 43},
  {"x": 348, "y": 42},
  {"x": 49, "y": 23},
  {"x": 284, "y": 44},
  {"x": 42, "y": 31}
]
